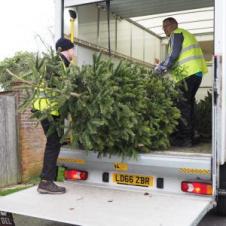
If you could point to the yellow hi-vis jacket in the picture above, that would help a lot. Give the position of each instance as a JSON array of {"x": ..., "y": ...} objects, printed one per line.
[
  {"x": 191, "y": 59},
  {"x": 43, "y": 102}
]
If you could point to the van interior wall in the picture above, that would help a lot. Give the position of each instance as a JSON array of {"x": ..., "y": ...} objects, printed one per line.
[
  {"x": 125, "y": 37},
  {"x": 128, "y": 39},
  {"x": 206, "y": 45},
  {"x": 85, "y": 56}
]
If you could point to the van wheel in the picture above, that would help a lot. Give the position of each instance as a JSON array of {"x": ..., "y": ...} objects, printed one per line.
[
  {"x": 221, "y": 206},
  {"x": 221, "y": 200}
]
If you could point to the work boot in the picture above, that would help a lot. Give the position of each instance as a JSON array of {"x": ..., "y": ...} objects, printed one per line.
[{"x": 49, "y": 187}]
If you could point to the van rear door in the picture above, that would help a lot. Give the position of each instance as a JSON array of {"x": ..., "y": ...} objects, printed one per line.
[{"x": 220, "y": 81}]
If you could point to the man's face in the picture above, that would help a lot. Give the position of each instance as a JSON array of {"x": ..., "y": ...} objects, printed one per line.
[
  {"x": 71, "y": 54},
  {"x": 168, "y": 27}
]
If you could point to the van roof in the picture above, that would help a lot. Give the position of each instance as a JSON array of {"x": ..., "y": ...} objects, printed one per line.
[
  {"x": 197, "y": 21},
  {"x": 195, "y": 16}
]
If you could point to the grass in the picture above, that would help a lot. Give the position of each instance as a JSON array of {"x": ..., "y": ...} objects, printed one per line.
[
  {"x": 60, "y": 175},
  {"x": 33, "y": 181},
  {"x": 8, "y": 191}
]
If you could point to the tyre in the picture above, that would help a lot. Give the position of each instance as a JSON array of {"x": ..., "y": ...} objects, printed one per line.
[
  {"x": 221, "y": 200},
  {"x": 221, "y": 206}
]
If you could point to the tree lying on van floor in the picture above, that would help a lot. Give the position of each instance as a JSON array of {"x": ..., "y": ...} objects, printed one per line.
[
  {"x": 204, "y": 118},
  {"x": 118, "y": 109}
]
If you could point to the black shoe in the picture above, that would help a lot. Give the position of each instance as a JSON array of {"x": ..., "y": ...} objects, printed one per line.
[{"x": 48, "y": 187}]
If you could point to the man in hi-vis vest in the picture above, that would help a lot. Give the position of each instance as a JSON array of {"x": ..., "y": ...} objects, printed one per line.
[
  {"x": 46, "y": 186},
  {"x": 187, "y": 65}
]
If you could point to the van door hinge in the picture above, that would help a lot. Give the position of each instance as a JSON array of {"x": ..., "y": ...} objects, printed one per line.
[
  {"x": 215, "y": 91},
  {"x": 222, "y": 192}
]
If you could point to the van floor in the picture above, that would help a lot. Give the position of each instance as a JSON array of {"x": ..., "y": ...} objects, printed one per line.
[{"x": 201, "y": 148}]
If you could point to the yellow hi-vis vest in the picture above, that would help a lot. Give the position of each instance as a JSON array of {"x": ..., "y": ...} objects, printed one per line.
[
  {"x": 191, "y": 59},
  {"x": 43, "y": 102}
]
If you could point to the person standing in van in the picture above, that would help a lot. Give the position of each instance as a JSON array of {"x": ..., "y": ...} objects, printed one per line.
[{"x": 186, "y": 62}]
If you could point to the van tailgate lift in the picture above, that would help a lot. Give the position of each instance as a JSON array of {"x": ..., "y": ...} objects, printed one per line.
[{"x": 87, "y": 205}]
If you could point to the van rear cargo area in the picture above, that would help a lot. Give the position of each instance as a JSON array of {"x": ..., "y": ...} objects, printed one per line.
[
  {"x": 168, "y": 168},
  {"x": 201, "y": 148}
]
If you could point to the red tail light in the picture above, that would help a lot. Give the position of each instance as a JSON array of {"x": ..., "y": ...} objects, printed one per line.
[
  {"x": 75, "y": 174},
  {"x": 197, "y": 188}
]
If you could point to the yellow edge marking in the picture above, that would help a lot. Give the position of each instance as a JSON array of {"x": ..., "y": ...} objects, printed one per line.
[
  {"x": 194, "y": 171},
  {"x": 121, "y": 166},
  {"x": 78, "y": 161}
]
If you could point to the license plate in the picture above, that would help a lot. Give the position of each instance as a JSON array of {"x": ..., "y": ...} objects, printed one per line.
[
  {"x": 129, "y": 179},
  {"x": 6, "y": 219}
]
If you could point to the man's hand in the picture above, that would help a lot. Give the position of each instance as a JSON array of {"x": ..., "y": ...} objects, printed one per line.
[
  {"x": 159, "y": 69},
  {"x": 157, "y": 61}
]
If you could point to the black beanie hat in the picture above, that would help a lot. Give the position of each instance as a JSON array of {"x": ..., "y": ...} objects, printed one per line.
[{"x": 64, "y": 44}]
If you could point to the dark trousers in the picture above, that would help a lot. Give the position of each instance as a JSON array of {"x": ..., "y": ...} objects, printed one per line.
[
  {"x": 188, "y": 88},
  {"x": 52, "y": 150}
]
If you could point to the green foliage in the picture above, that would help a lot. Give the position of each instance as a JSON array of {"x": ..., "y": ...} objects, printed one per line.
[
  {"x": 122, "y": 110},
  {"x": 118, "y": 109},
  {"x": 19, "y": 64},
  {"x": 204, "y": 117},
  {"x": 179, "y": 73}
]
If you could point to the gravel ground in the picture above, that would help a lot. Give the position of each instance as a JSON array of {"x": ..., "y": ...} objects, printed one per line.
[
  {"x": 31, "y": 221},
  {"x": 209, "y": 220}
]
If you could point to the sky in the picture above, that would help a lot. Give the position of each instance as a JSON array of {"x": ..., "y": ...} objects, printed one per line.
[{"x": 22, "y": 22}]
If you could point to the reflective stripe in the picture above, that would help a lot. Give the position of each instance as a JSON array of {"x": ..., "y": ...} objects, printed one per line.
[
  {"x": 42, "y": 95},
  {"x": 190, "y": 47},
  {"x": 189, "y": 59}
]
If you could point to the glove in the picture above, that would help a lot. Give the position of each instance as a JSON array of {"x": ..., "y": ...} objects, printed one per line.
[{"x": 159, "y": 69}]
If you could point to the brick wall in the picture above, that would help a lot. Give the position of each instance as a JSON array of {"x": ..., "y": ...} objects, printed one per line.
[
  {"x": 31, "y": 142},
  {"x": 31, "y": 146}
]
